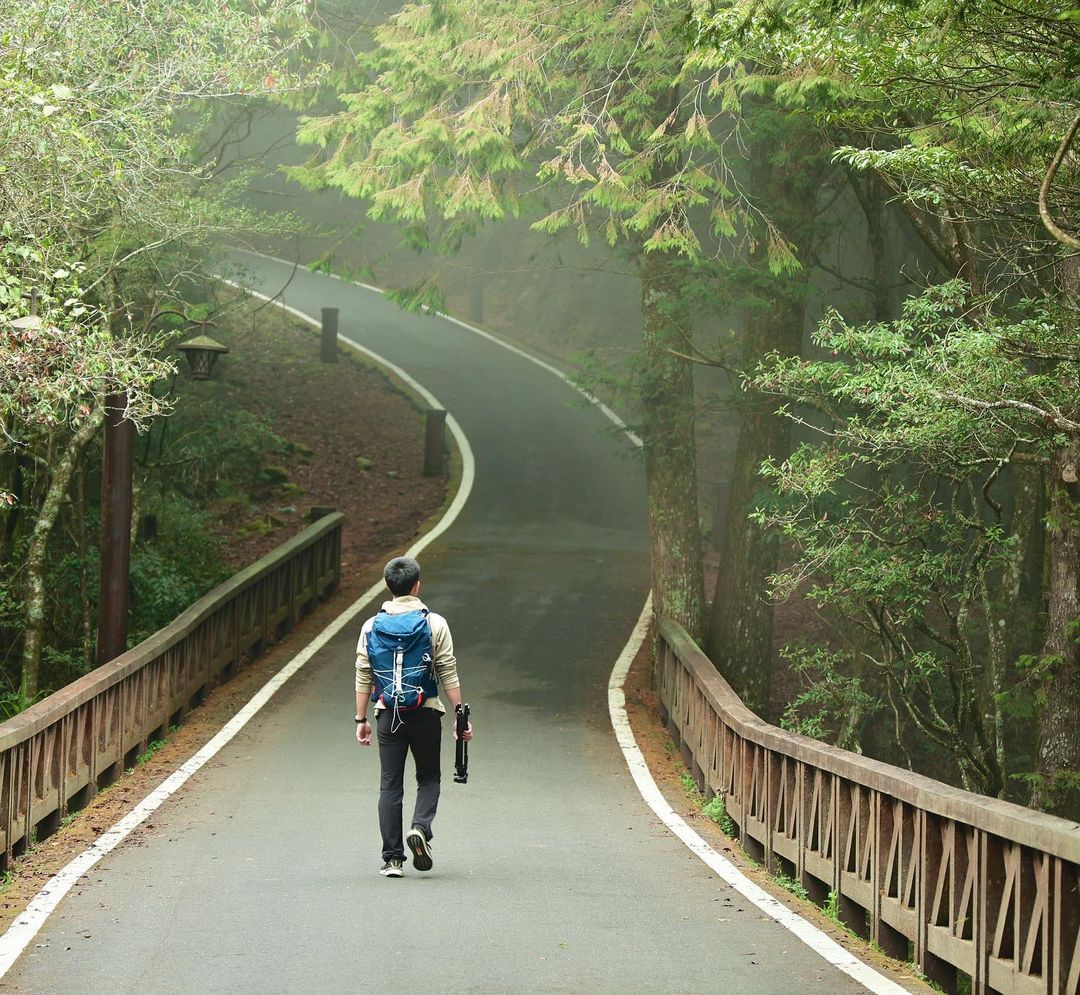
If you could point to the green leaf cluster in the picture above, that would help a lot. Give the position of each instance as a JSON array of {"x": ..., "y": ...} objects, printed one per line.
[{"x": 585, "y": 117}]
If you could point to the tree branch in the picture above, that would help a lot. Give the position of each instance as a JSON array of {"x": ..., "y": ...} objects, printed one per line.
[
  {"x": 1056, "y": 419},
  {"x": 1044, "y": 191}
]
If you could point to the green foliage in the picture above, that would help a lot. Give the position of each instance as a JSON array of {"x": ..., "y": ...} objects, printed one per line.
[
  {"x": 963, "y": 981},
  {"x": 716, "y": 810},
  {"x": 10, "y": 603},
  {"x": 891, "y": 530},
  {"x": 54, "y": 375},
  {"x": 1055, "y": 786},
  {"x": 792, "y": 886},
  {"x": 834, "y": 704},
  {"x": 424, "y": 296},
  {"x": 951, "y": 384},
  {"x": 91, "y": 147},
  {"x": 960, "y": 114},
  {"x": 831, "y": 908},
  {"x": 461, "y": 109},
  {"x": 222, "y": 449},
  {"x": 690, "y": 785},
  {"x": 13, "y": 702},
  {"x": 151, "y": 749},
  {"x": 170, "y": 574},
  {"x": 97, "y": 176}
]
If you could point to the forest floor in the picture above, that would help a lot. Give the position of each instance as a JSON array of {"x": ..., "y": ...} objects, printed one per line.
[{"x": 355, "y": 444}]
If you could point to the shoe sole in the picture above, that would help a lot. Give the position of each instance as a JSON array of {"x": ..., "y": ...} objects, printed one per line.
[
  {"x": 421, "y": 854},
  {"x": 396, "y": 873}
]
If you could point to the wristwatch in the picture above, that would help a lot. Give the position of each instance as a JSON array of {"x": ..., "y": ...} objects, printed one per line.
[{"x": 360, "y": 721}]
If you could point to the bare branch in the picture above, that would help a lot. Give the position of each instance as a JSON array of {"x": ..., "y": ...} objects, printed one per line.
[
  {"x": 1054, "y": 418},
  {"x": 1044, "y": 191}
]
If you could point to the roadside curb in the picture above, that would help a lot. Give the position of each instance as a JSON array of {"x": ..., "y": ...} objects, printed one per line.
[
  {"x": 806, "y": 931},
  {"x": 26, "y": 926}
]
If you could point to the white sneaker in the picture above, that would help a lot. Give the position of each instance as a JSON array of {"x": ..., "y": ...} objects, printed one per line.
[
  {"x": 420, "y": 848},
  {"x": 392, "y": 869}
]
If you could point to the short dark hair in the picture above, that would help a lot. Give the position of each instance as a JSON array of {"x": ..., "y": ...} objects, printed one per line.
[{"x": 401, "y": 575}]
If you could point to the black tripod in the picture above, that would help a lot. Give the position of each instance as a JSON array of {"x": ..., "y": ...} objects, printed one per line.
[{"x": 461, "y": 757}]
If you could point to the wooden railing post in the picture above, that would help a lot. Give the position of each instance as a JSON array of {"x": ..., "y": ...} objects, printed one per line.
[
  {"x": 974, "y": 885},
  {"x": 434, "y": 441},
  {"x": 328, "y": 352}
]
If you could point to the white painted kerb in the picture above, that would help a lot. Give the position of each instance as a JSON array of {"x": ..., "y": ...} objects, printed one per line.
[
  {"x": 639, "y": 770},
  {"x": 813, "y": 937},
  {"x": 26, "y": 926}
]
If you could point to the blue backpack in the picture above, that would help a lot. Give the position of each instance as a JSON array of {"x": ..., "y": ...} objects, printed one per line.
[{"x": 402, "y": 666}]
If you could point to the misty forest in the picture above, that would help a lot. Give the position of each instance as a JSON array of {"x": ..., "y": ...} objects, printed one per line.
[{"x": 822, "y": 256}]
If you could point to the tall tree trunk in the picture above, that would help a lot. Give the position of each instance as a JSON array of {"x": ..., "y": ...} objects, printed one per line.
[
  {"x": 34, "y": 608},
  {"x": 786, "y": 170},
  {"x": 741, "y": 630},
  {"x": 875, "y": 245},
  {"x": 86, "y": 607},
  {"x": 667, "y": 401},
  {"x": 116, "y": 503},
  {"x": 1058, "y": 787},
  {"x": 1001, "y": 616},
  {"x": 870, "y": 193}
]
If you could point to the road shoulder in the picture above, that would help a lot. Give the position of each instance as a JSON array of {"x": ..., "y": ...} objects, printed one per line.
[{"x": 669, "y": 772}]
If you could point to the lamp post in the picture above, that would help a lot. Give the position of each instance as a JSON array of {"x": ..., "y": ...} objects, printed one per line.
[
  {"x": 116, "y": 473},
  {"x": 116, "y": 499}
]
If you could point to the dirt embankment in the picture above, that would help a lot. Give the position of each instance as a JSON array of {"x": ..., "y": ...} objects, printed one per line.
[{"x": 355, "y": 443}]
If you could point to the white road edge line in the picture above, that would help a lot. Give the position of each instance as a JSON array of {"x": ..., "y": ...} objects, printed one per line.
[
  {"x": 813, "y": 937},
  {"x": 26, "y": 927},
  {"x": 806, "y": 931},
  {"x": 23, "y": 930},
  {"x": 553, "y": 370}
]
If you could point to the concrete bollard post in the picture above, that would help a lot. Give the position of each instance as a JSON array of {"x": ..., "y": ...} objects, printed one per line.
[
  {"x": 476, "y": 302},
  {"x": 329, "y": 352},
  {"x": 721, "y": 495},
  {"x": 434, "y": 441}
]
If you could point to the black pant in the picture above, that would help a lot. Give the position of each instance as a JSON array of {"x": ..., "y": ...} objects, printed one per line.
[{"x": 420, "y": 731}]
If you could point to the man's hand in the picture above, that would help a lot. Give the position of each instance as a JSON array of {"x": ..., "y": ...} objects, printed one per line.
[
  {"x": 363, "y": 733},
  {"x": 468, "y": 732}
]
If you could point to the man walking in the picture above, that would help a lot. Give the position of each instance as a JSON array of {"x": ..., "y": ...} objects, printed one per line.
[{"x": 404, "y": 654}]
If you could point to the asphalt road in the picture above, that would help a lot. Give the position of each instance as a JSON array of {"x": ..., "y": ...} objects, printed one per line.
[{"x": 551, "y": 874}]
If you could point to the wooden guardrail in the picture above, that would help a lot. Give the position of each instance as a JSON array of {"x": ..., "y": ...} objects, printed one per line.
[
  {"x": 58, "y": 753},
  {"x": 960, "y": 883}
]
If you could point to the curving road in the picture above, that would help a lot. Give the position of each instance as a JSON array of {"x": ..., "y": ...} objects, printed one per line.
[{"x": 551, "y": 874}]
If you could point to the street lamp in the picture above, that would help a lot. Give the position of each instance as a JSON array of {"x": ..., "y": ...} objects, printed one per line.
[
  {"x": 202, "y": 353},
  {"x": 116, "y": 498}
]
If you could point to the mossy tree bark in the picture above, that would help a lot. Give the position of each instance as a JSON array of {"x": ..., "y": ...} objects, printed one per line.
[
  {"x": 667, "y": 400},
  {"x": 35, "y": 564},
  {"x": 741, "y": 630},
  {"x": 1057, "y": 788},
  {"x": 787, "y": 166}
]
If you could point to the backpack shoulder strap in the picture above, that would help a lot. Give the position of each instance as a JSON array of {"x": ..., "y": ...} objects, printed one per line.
[{"x": 372, "y": 623}]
